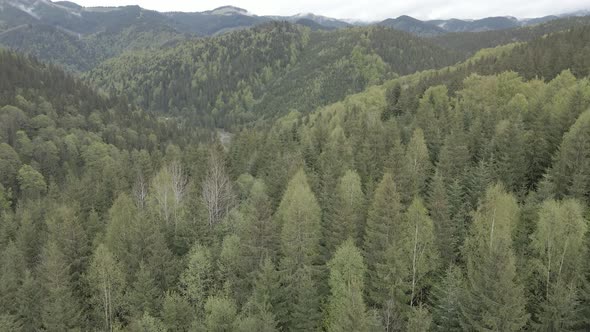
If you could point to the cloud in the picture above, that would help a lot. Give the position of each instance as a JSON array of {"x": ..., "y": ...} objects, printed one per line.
[{"x": 368, "y": 9}]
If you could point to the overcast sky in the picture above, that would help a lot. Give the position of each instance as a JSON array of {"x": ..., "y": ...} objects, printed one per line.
[{"x": 367, "y": 9}]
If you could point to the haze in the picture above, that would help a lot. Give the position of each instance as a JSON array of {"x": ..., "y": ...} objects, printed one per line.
[{"x": 368, "y": 10}]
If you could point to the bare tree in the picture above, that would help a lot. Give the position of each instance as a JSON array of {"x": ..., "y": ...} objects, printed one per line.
[
  {"x": 217, "y": 192},
  {"x": 162, "y": 194},
  {"x": 178, "y": 181},
  {"x": 140, "y": 191}
]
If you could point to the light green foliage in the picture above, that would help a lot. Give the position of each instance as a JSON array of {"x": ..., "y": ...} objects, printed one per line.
[
  {"x": 416, "y": 167},
  {"x": 494, "y": 298},
  {"x": 347, "y": 217},
  {"x": 569, "y": 174},
  {"x": 196, "y": 280},
  {"x": 559, "y": 245},
  {"x": 9, "y": 165},
  {"x": 383, "y": 222},
  {"x": 419, "y": 320},
  {"x": 413, "y": 257},
  {"x": 107, "y": 283},
  {"x": 299, "y": 214},
  {"x": 346, "y": 308},
  {"x": 31, "y": 183},
  {"x": 177, "y": 313},
  {"x": 220, "y": 314}
]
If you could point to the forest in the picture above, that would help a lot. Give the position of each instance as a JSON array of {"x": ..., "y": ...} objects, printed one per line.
[{"x": 282, "y": 179}]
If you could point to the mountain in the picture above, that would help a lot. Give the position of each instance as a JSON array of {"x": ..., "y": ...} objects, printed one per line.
[
  {"x": 321, "y": 20},
  {"x": 264, "y": 71},
  {"x": 313, "y": 25},
  {"x": 468, "y": 43},
  {"x": 485, "y": 24},
  {"x": 80, "y": 38},
  {"x": 434, "y": 28},
  {"x": 413, "y": 26}
]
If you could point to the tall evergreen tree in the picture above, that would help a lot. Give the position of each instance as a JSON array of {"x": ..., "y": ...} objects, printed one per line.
[
  {"x": 346, "y": 310},
  {"x": 448, "y": 294},
  {"x": 383, "y": 222},
  {"x": 559, "y": 244},
  {"x": 494, "y": 298},
  {"x": 60, "y": 312},
  {"x": 417, "y": 166},
  {"x": 299, "y": 215},
  {"x": 346, "y": 219}
]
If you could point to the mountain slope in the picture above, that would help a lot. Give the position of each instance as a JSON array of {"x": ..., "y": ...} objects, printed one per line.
[
  {"x": 413, "y": 26},
  {"x": 470, "y": 42},
  {"x": 270, "y": 69},
  {"x": 80, "y": 39}
]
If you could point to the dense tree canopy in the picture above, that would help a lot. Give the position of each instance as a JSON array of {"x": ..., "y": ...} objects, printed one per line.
[{"x": 447, "y": 200}]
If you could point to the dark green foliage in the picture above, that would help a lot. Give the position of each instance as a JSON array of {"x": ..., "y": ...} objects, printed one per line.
[{"x": 265, "y": 71}]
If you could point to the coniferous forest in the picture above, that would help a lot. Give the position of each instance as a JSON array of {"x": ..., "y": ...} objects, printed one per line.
[{"x": 283, "y": 178}]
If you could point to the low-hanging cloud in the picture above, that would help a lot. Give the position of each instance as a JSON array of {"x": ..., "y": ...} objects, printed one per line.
[{"x": 368, "y": 10}]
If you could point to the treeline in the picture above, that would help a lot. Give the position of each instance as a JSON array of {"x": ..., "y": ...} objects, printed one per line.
[{"x": 466, "y": 212}]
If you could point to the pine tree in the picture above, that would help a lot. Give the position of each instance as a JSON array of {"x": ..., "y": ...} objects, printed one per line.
[
  {"x": 346, "y": 310},
  {"x": 509, "y": 152},
  {"x": 220, "y": 314},
  {"x": 416, "y": 167},
  {"x": 258, "y": 232},
  {"x": 60, "y": 312},
  {"x": 570, "y": 173},
  {"x": 559, "y": 244},
  {"x": 383, "y": 222},
  {"x": 494, "y": 299},
  {"x": 415, "y": 256},
  {"x": 29, "y": 303},
  {"x": 177, "y": 313},
  {"x": 447, "y": 296},
  {"x": 419, "y": 320},
  {"x": 144, "y": 295},
  {"x": 445, "y": 230},
  {"x": 346, "y": 218},
  {"x": 196, "y": 281},
  {"x": 299, "y": 215},
  {"x": 267, "y": 303},
  {"x": 304, "y": 306}
]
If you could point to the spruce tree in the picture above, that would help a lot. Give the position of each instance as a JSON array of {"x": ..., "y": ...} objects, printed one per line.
[
  {"x": 299, "y": 216},
  {"x": 346, "y": 219},
  {"x": 383, "y": 222},
  {"x": 447, "y": 295},
  {"x": 494, "y": 298},
  {"x": 346, "y": 310},
  {"x": 60, "y": 311}
]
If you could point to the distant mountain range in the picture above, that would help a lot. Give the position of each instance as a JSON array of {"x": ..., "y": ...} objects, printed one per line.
[{"x": 78, "y": 20}]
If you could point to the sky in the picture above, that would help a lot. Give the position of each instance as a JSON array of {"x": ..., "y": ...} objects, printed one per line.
[{"x": 367, "y": 10}]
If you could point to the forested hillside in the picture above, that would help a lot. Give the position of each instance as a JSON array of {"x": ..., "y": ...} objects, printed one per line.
[
  {"x": 267, "y": 70},
  {"x": 365, "y": 181},
  {"x": 469, "y": 43}
]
